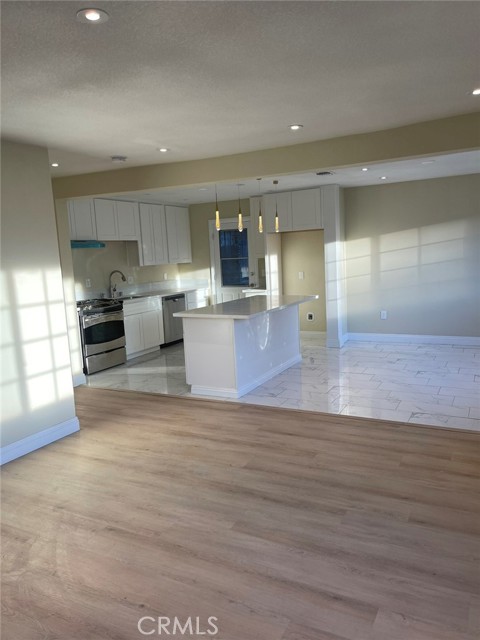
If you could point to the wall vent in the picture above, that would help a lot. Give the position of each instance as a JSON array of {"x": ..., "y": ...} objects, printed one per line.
[{"x": 324, "y": 173}]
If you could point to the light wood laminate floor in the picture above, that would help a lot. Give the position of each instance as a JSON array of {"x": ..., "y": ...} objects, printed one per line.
[{"x": 281, "y": 524}]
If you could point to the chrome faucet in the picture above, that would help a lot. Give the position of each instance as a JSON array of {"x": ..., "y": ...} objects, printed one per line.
[{"x": 113, "y": 287}]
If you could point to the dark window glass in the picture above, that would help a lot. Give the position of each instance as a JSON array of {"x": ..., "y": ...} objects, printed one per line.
[{"x": 234, "y": 257}]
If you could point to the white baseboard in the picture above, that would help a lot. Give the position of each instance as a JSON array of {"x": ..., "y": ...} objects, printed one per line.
[
  {"x": 37, "y": 440},
  {"x": 405, "y": 338},
  {"x": 313, "y": 333},
  {"x": 78, "y": 379}
]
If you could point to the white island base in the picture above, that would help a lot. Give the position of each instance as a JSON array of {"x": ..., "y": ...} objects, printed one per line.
[{"x": 229, "y": 354}]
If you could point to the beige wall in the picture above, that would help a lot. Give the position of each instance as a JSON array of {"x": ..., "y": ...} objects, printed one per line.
[
  {"x": 63, "y": 233},
  {"x": 413, "y": 250},
  {"x": 435, "y": 137},
  {"x": 200, "y": 214},
  {"x": 304, "y": 251},
  {"x": 37, "y": 391},
  {"x": 97, "y": 264}
]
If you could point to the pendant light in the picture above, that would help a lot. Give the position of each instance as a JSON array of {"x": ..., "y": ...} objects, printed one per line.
[
  {"x": 217, "y": 212},
  {"x": 240, "y": 217},
  {"x": 277, "y": 224},
  {"x": 260, "y": 218}
]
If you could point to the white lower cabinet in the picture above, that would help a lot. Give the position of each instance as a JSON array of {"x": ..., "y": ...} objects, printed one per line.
[
  {"x": 133, "y": 333},
  {"x": 143, "y": 320}
]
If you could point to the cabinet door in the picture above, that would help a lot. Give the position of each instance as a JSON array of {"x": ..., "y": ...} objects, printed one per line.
[
  {"x": 146, "y": 254},
  {"x": 134, "y": 333},
  {"x": 81, "y": 218},
  {"x": 128, "y": 224},
  {"x": 284, "y": 207},
  {"x": 159, "y": 233},
  {"x": 306, "y": 212},
  {"x": 151, "y": 329},
  {"x": 257, "y": 238},
  {"x": 183, "y": 236},
  {"x": 178, "y": 234},
  {"x": 153, "y": 234},
  {"x": 106, "y": 219}
]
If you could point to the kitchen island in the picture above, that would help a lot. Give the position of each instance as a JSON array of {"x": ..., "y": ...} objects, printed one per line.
[{"x": 233, "y": 347}]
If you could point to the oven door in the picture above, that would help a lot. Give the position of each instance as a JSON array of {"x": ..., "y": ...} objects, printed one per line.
[{"x": 103, "y": 332}]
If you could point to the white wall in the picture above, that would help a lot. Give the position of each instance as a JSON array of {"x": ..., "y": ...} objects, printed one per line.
[
  {"x": 36, "y": 385},
  {"x": 413, "y": 249}
]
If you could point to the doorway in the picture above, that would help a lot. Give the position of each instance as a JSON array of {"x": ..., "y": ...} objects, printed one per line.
[{"x": 303, "y": 273}]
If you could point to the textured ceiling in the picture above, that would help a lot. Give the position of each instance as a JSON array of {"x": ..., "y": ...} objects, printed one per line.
[{"x": 214, "y": 78}]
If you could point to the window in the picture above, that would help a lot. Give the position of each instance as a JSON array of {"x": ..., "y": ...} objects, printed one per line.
[{"x": 234, "y": 257}]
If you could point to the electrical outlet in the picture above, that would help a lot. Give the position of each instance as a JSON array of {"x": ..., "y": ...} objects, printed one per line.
[
  {"x": 310, "y": 316},
  {"x": 301, "y": 275},
  {"x": 130, "y": 279},
  {"x": 383, "y": 315},
  {"x": 88, "y": 283}
]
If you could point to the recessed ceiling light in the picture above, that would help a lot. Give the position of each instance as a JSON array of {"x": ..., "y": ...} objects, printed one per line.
[
  {"x": 428, "y": 161},
  {"x": 203, "y": 189},
  {"x": 163, "y": 150},
  {"x": 383, "y": 178},
  {"x": 365, "y": 169},
  {"x": 476, "y": 92},
  {"x": 296, "y": 127},
  {"x": 92, "y": 16},
  {"x": 118, "y": 158},
  {"x": 54, "y": 164}
]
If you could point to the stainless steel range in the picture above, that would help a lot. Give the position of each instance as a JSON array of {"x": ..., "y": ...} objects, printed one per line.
[{"x": 102, "y": 332}]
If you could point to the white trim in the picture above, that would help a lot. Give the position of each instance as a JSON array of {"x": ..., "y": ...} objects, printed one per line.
[
  {"x": 38, "y": 440},
  {"x": 238, "y": 393},
  {"x": 322, "y": 334},
  {"x": 467, "y": 341},
  {"x": 78, "y": 379},
  {"x": 136, "y": 354}
]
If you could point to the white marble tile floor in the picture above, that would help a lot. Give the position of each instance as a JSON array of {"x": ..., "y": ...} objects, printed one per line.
[{"x": 436, "y": 385}]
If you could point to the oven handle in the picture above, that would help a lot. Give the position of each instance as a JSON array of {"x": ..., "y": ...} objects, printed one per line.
[{"x": 99, "y": 318}]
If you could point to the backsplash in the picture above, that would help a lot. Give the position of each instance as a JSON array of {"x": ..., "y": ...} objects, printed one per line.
[{"x": 97, "y": 264}]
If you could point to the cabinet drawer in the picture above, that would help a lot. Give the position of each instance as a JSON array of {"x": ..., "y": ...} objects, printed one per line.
[{"x": 142, "y": 305}]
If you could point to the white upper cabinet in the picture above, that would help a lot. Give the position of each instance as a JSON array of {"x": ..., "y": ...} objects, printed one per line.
[
  {"x": 153, "y": 248},
  {"x": 178, "y": 234},
  {"x": 306, "y": 210},
  {"x": 283, "y": 203},
  {"x": 257, "y": 238},
  {"x": 117, "y": 220},
  {"x": 81, "y": 218},
  {"x": 128, "y": 222}
]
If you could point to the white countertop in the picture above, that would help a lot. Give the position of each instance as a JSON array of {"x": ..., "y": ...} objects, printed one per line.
[
  {"x": 148, "y": 294},
  {"x": 245, "y": 308}
]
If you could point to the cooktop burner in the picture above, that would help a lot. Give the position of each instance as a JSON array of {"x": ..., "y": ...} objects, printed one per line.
[{"x": 99, "y": 305}]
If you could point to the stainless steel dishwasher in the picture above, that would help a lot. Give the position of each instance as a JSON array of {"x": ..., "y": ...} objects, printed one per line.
[{"x": 173, "y": 327}]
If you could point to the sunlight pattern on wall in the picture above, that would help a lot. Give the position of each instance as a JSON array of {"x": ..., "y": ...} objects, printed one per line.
[{"x": 35, "y": 354}]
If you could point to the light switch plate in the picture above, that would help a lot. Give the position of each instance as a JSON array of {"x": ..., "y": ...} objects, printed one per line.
[
  {"x": 88, "y": 283},
  {"x": 301, "y": 275}
]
